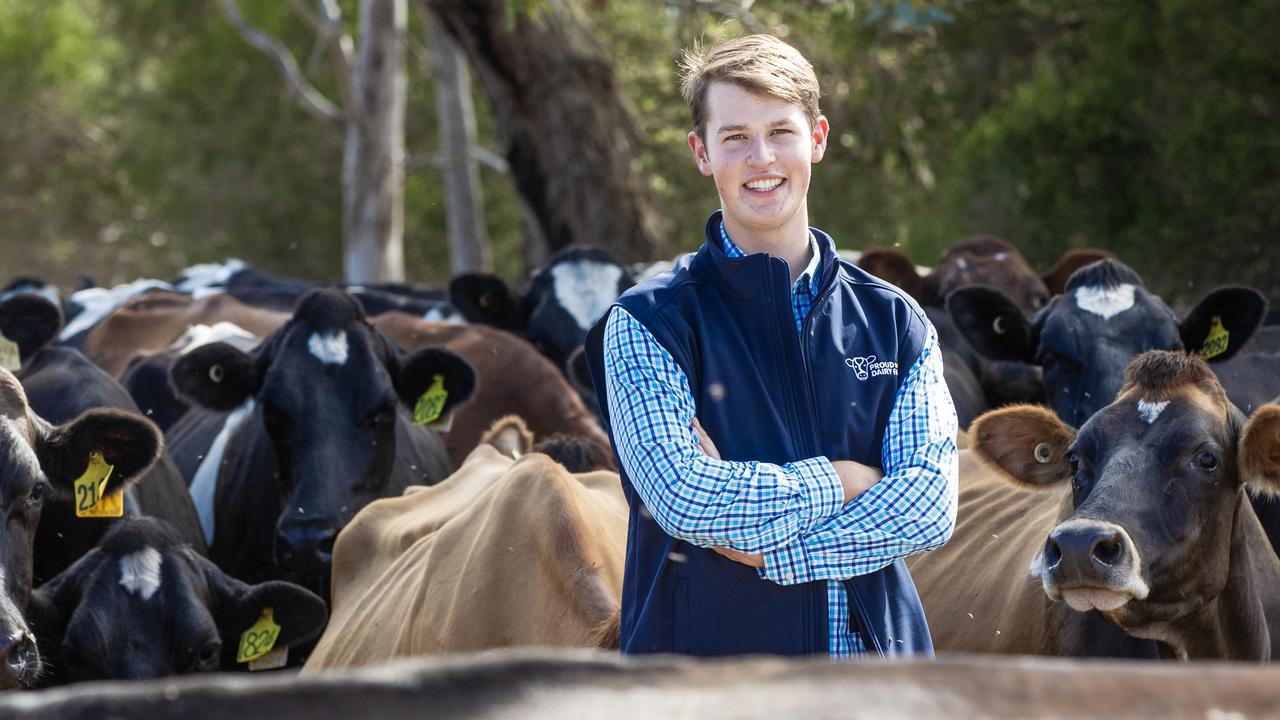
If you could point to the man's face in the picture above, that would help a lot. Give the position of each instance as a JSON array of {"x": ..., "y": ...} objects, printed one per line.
[{"x": 760, "y": 151}]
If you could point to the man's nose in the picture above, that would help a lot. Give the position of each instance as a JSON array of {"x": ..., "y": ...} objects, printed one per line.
[{"x": 761, "y": 154}]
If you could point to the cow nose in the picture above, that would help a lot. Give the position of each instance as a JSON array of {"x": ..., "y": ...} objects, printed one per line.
[
  {"x": 1084, "y": 547},
  {"x": 305, "y": 548},
  {"x": 18, "y": 651}
]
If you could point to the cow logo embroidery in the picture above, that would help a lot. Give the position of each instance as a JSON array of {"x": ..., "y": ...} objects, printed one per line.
[{"x": 867, "y": 367}]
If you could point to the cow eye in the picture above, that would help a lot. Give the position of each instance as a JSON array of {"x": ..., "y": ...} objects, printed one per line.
[
  {"x": 36, "y": 496},
  {"x": 1206, "y": 460},
  {"x": 210, "y": 653}
]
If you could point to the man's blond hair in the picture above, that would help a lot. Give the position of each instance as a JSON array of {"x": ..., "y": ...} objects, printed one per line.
[{"x": 759, "y": 64}]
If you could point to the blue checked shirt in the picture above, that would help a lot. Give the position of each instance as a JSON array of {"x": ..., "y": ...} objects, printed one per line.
[{"x": 790, "y": 513}]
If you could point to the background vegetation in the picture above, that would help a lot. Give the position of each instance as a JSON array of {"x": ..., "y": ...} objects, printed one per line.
[{"x": 140, "y": 137}]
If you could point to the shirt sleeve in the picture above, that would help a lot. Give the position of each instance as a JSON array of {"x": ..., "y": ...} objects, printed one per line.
[
  {"x": 748, "y": 506},
  {"x": 910, "y": 510}
]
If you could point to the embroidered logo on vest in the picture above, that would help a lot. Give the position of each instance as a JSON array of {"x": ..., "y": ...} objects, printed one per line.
[{"x": 867, "y": 367}]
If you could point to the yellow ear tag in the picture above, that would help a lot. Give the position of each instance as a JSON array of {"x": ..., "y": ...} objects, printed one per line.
[
  {"x": 9, "y": 358},
  {"x": 1216, "y": 342},
  {"x": 259, "y": 639},
  {"x": 89, "y": 489},
  {"x": 431, "y": 403}
]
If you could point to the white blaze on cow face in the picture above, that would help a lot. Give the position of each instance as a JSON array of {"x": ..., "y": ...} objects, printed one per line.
[
  {"x": 1150, "y": 411},
  {"x": 140, "y": 572},
  {"x": 329, "y": 348},
  {"x": 585, "y": 289},
  {"x": 1105, "y": 302}
]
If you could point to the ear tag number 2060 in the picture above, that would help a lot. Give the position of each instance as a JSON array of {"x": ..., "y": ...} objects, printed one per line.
[{"x": 89, "y": 489}]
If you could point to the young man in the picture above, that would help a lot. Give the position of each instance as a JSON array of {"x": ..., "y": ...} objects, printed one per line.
[{"x": 752, "y": 394}]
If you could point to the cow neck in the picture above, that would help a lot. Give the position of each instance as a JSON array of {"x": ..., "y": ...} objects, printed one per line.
[{"x": 1241, "y": 622}]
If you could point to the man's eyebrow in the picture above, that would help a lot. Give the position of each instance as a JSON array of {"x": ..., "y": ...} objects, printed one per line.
[{"x": 739, "y": 128}]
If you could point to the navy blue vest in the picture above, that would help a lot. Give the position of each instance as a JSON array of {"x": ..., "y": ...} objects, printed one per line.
[{"x": 765, "y": 393}]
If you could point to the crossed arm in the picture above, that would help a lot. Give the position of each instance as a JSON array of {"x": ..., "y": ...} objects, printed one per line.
[{"x": 806, "y": 520}]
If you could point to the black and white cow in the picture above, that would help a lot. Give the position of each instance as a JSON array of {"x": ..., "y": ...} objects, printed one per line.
[
  {"x": 563, "y": 299},
  {"x": 39, "y": 464},
  {"x": 143, "y": 604},
  {"x": 292, "y": 441},
  {"x": 60, "y": 384}
]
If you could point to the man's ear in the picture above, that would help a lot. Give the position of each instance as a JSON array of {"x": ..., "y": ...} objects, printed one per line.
[
  {"x": 417, "y": 375},
  {"x": 216, "y": 376},
  {"x": 821, "y": 128},
  {"x": 698, "y": 147},
  {"x": 1025, "y": 444},
  {"x": 1222, "y": 322},
  {"x": 1260, "y": 450},
  {"x": 129, "y": 443},
  {"x": 300, "y": 613},
  {"x": 29, "y": 320},
  {"x": 993, "y": 324},
  {"x": 486, "y": 298}
]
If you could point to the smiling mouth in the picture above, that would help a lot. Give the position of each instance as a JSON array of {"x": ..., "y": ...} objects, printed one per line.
[{"x": 764, "y": 185}]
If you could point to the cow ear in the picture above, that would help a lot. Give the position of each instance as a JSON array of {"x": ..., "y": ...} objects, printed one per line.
[
  {"x": 993, "y": 324},
  {"x": 895, "y": 267},
  {"x": 1260, "y": 450},
  {"x": 1026, "y": 444},
  {"x": 418, "y": 373},
  {"x": 1222, "y": 322},
  {"x": 487, "y": 299},
  {"x": 29, "y": 320},
  {"x": 300, "y": 613},
  {"x": 129, "y": 443},
  {"x": 52, "y": 604},
  {"x": 216, "y": 376}
]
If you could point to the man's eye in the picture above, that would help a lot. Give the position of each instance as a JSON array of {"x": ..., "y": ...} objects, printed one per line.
[{"x": 781, "y": 131}]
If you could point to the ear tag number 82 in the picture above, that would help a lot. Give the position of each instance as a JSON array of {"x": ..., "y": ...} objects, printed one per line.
[{"x": 260, "y": 638}]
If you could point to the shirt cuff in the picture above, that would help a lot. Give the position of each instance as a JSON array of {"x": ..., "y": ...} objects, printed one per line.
[
  {"x": 788, "y": 565},
  {"x": 820, "y": 487}
]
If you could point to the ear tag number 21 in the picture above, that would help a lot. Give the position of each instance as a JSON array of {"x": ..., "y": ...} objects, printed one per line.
[{"x": 89, "y": 489}]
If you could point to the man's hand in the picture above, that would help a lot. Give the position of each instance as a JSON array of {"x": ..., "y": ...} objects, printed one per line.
[
  {"x": 755, "y": 560},
  {"x": 708, "y": 447},
  {"x": 855, "y": 477}
]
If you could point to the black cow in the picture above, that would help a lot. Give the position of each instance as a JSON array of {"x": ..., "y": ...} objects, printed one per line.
[
  {"x": 1084, "y": 338},
  {"x": 60, "y": 384},
  {"x": 292, "y": 441},
  {"x": 563, "y": 299},
  {"x": 144, "y": 605},
  {"x": 39, "y": 464},
  {"x": 265, "y": 290}
]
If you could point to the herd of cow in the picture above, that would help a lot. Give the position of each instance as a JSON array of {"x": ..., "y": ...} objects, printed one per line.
[{"x": 235, "y": 470}]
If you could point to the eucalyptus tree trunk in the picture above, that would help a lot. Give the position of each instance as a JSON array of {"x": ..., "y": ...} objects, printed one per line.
[
  {"x": 373, "y": 161},
  {"x": 564, "y": 125}
]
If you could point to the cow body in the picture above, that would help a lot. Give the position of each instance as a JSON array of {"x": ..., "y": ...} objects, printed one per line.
[{"x": 503, "y": 553}]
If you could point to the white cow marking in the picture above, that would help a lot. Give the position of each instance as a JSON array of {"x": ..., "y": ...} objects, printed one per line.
[
  {"x": 206, "y": 479},
  {"x": 329, "y": 348},
  {"x": 209, "y": 274},
  {"x": 1105, "y": 301},
  {"x": 1150, "y": 411},
  {"x": 227, "y": 332},
  {"x": 140, "y": 572},
  {"x": 585, "y": 289},
  {"x": 99, "y": 302}
]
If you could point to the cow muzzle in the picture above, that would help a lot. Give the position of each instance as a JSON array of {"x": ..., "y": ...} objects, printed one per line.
[
  {"x": 1092, "y": 565},
  {"x": 19, "y": 659},
  {"x": 305, "y": 548}
]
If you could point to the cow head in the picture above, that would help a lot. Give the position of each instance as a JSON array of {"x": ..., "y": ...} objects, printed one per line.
[
  {"x": 563, "y": 300},
  {"x": 334, "y": 395},
  {"x": 1084, "y": 338},
  {"x": 991, "y": 261},
  {"x": 29, "y": 320},
  {"x": 143, "y": 605},
  {"x": 1154, "y": 515},
  {"x": 39, "y": 461}
]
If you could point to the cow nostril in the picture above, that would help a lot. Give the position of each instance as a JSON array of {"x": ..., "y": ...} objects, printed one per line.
[
  {"x": 1108, "y": 550},
  {"x": 1052, "y": 553},
  {"x": 19, "y": 653}
]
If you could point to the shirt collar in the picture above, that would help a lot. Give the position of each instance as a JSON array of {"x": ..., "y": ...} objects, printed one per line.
[{"x": 732, "y": 250}]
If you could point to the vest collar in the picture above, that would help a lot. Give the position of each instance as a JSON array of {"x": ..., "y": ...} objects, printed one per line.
[{"x": 746, "y": 277}]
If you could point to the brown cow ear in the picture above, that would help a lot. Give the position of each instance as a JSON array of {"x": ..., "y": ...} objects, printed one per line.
[
  {"x": 1027, "y": 444},
  {"x": 1260, "y": 450}
]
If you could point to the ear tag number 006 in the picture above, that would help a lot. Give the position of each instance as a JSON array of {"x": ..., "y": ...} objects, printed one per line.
[
  {"x": 431, "y": 403},
  {"x": 89, "y": 489},
  {"x": 259, "y": 639},
  {"x": 1216, "y": 342}
]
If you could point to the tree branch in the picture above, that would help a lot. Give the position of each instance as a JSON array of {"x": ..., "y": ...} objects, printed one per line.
[
  {"x": 436, "y": 160},
  {"x": 312, "y": 99}
]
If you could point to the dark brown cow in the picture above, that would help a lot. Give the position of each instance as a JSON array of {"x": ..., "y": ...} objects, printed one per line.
[
  {"x": 1143, "y": 519},
  {"x": 512, "y": 378},
  {"x": 154, "y": 320}
]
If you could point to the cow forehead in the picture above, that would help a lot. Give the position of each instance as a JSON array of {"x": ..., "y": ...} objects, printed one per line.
[
  {"x": 16, "y": 440},
  {"x": 585, "y": 288},
  {"x": 1149, "y": 406},
  {"x": 1105, "y": 301}
]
